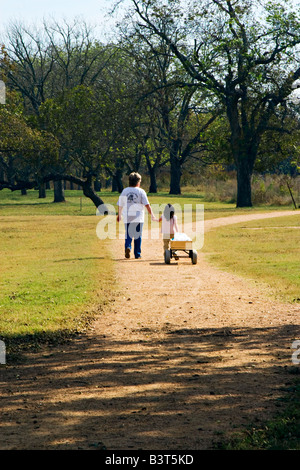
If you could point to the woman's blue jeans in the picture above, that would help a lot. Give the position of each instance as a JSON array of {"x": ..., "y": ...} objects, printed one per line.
[{"x": 134, "y": 230}]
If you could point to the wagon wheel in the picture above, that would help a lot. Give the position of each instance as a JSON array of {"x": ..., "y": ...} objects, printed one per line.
[
  {"x": 167, "y": 256},
  {"x": 194, "y": 257}
]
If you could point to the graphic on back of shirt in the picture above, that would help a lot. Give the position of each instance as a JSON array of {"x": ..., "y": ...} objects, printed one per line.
[{"x": 132, "y": 197}]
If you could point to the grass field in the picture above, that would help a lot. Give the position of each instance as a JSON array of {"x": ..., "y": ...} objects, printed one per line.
[
  {"x": 12, "y": 203},
  {"x": 55, "y": 271},
  {"x": 54, "y": 275},
  {"x": 265, "y": 250}
]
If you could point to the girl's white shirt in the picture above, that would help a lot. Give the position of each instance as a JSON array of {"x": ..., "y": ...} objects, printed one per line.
[{"x": 169, "y": 226}]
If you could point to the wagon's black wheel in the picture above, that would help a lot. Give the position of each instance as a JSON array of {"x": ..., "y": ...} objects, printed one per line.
[
  {"x": 167, "y": 256},
  {"x": 194, "y": 256}
]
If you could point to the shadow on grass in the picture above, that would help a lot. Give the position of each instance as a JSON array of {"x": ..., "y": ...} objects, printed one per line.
[
  {"x": 18, "y": 203},
  {"x": 18, "y": 345},
  {"x": 78, "y": 259},
  {"x": 161, "y": 388}
]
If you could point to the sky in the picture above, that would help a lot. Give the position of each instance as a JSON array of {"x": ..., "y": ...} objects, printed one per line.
[{"x": 33, "y": 11}]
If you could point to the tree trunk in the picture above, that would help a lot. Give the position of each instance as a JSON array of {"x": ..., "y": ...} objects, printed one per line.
[
  {"x": 42, "y": 191},
  {"x": 78, "y": 186},
  {"x": 114, "y": 186},
  {"x": 175, "y": 173},
  {"x": 59, "y": 194},
  {"x": 244, "y": 147},
  {"x": 23, "y": 192},
  {"x": 153, "y": 182},
  {"x": 90, "y": 193},
  {"x": 97, "y": 186},
  {"x": 86, "y": 186},
  {"x": 117, "y": 185},
  {"x": 244, "y": 175}
]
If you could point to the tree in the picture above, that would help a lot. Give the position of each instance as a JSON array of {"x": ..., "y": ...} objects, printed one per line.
[
  {"x": 169, "y": 98},
  {"x": 26, "y": 154},
  {"x": 46, "y": 63},
  {"x": 92, "y": 132},
  {"x": 77, "y": 119},
  {"x": 247, "y": 61},
  {"x": 279, "y": 149}
]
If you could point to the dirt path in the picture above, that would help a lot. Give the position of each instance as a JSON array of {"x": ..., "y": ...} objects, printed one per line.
[{"x": 185, "y": 355}]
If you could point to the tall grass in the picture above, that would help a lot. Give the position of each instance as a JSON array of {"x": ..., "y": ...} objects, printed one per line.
[{"x": 268, "y": 190}]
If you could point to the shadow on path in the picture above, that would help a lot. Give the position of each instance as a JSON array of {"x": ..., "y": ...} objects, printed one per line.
[{"x": 157, "y": 389}]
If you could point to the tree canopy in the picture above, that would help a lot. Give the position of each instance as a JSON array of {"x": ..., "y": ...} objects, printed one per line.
[
  {"x": 208, "y": 83},
  {"x": 246, "y": 54}
]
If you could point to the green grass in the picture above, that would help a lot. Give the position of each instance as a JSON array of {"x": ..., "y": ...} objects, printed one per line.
[
  {"x": 265, "y": 250},
  {"x": 54, "y": 273},
  {"x": 12, "y": 203}
]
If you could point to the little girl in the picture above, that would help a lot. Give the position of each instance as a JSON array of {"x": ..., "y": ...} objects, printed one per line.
[{"x": 169, "y": 225}]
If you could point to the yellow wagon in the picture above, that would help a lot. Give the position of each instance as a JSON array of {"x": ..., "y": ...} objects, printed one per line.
[{"x": 185, "y": 246}]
